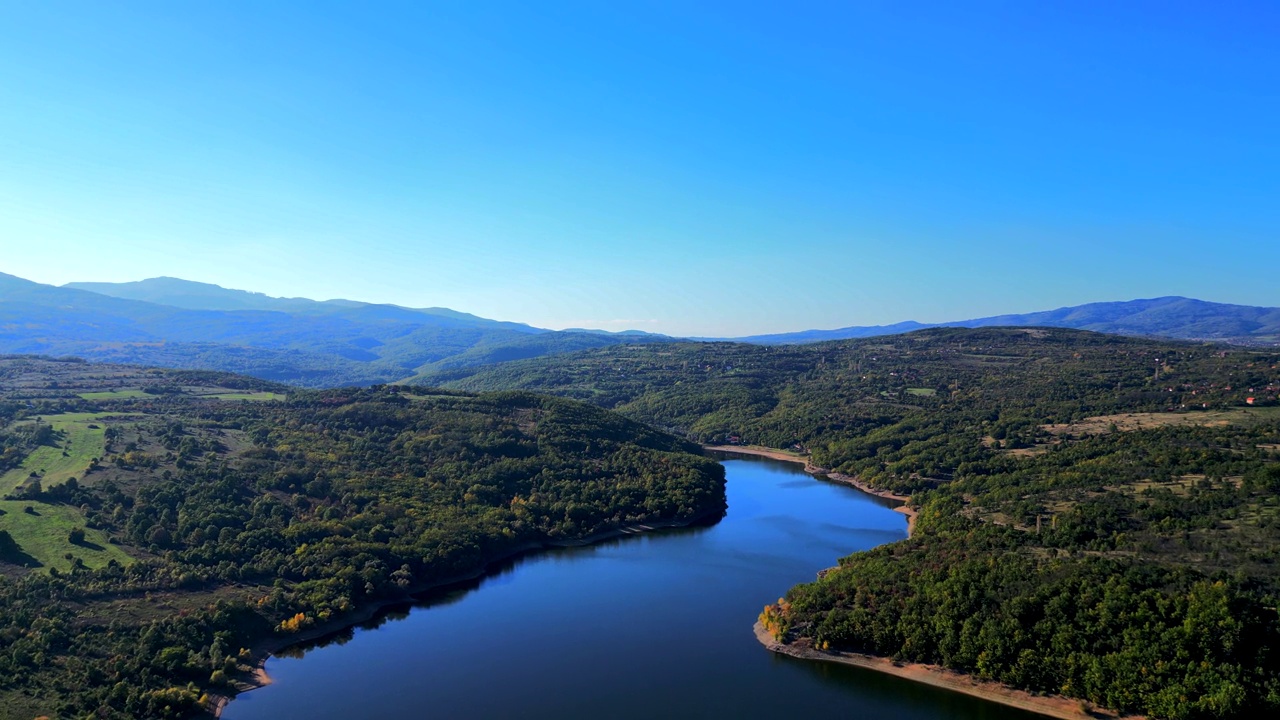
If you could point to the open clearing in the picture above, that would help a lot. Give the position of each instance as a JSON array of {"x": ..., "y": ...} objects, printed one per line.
[
  {"x": 247, "y": 396},
  {"x": 79, "y": 440},
  {"x": 158, "y": 604},
  {"x": 1140, "y": 421},
  {"x": 115, "y": 394},
  {"x": 43, "y": 536}
]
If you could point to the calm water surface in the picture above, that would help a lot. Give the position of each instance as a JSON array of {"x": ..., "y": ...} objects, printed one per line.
[{"x": 649, "y": 626}]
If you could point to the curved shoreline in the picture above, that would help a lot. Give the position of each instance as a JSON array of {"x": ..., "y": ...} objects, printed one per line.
[
  {"x": 821, "y": 472},
  {"x": 265, "y": 648},
  {"x": 1055, "y": 706}
]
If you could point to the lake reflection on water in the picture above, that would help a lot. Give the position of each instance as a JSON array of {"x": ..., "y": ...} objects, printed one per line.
[{"x": 642, "y": 626}]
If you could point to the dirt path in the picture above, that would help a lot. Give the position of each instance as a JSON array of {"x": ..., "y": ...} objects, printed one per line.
[{"x": 783, "y": 455}]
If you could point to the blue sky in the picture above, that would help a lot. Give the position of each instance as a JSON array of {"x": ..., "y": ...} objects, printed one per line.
[{"x": 681, "y": 167}]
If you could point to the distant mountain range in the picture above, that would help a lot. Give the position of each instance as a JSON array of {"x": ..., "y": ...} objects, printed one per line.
[
  {"x": 192, "y": 295},
  {"x": 1171, "y": 317},
  {"x": 177, "y": 323}
]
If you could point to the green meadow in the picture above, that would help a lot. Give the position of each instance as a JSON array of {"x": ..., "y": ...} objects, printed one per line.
[
  {"x": 43, "y": 532},
  {"x": 114, "y": 394},
  {"x": 79, "y": 440},
  {"x": 43, "y": 535},
  {"x": 247, "y": 396}
]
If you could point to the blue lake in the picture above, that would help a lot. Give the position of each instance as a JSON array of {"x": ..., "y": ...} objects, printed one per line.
[{"x": 657, "y": 625}]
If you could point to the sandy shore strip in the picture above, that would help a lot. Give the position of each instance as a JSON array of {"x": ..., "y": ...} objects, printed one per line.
[
  {"x": 776, "y": 454},
  {"x": 266, "y": 647},
  {"x": 788, "y": 456},
  {"x": 1055, "y": 706}
]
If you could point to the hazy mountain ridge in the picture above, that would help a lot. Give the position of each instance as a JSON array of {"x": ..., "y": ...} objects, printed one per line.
[
  {"x": 847, "y": 333},
  {"x": 191, "y": 295},
  {"x": 1172, "y": 317},
  {"x": 181, "y": 324}
]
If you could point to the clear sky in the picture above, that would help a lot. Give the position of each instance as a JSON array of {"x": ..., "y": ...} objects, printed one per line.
[{"x": 682, "y": 167}]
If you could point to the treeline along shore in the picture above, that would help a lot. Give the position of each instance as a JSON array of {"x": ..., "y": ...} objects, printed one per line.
[
  {"x": 270, "y": 645},
  {"x": 1055, "y": 706}
]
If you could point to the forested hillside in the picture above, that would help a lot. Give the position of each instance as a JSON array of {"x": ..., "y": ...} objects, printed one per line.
[
  {"x": 160, "y": 526},
  {"x": 850, "y": 400},
  {"x": 1099, "y": 515}
]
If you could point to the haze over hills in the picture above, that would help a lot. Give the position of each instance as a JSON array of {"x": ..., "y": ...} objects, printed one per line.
[
  {"x": 177, "y": 323},
  {"x": 192, "y": 295},
  {"x": 1172, "y": 317},
  {"x": 180, "y": 324}
]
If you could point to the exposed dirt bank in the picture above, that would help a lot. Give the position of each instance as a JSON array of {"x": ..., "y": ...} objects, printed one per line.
[{"x": 1054, "y": 706}]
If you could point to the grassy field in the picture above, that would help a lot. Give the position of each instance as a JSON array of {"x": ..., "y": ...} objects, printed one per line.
[
  {"x": 247, "y": 396},
  {"x": 80, "y": 439},
  {"x": 43, "y": 535},
  {"x": 136, "y": 393},
  {"x": 1139, "y": 421},
  {"x": 922, "y": 392},
  {"x": 114, "y": 394}
]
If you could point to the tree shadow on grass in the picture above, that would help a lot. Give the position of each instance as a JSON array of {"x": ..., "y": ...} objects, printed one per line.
[{"x": 12, "y": 553}]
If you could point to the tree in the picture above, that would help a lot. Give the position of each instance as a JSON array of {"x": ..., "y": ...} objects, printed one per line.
[
  {"x": 8, "y": 546},
  {"x": 158, "y": 535}
]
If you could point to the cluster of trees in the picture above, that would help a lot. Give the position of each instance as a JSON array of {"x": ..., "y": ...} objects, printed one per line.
[
  {"x": 1149, "y": 638},
  {"x": 270, "y": 518},
  {"x": 18, "y": 442},
  {"x": 1156, "y": 597}
]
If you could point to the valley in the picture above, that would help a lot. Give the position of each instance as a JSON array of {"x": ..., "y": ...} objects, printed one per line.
[
  {"x": 617, "y": 360},
  {"x": 1095, "y": 516}
]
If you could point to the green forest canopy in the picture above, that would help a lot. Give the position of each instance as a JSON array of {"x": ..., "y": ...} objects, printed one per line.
[
  {"x": 239, "y": 521},
  {"x": 1100, "y": 515}
]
